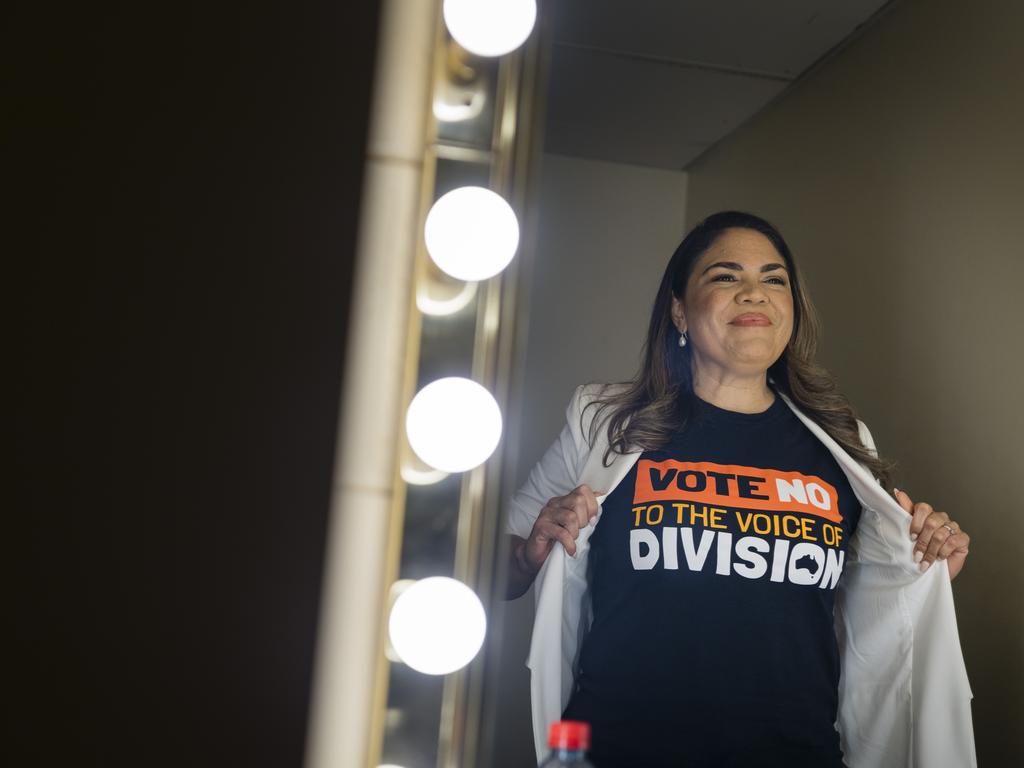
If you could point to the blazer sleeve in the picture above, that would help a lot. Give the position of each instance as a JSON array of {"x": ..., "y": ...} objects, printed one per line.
[{"x": 554, "y": 475}]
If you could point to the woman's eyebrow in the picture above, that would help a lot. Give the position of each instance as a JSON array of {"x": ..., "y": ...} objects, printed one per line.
[{"x": 738, "y": 267}]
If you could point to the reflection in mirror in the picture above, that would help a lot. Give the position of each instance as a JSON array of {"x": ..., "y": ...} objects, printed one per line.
[{"x": 886, "y": 157}]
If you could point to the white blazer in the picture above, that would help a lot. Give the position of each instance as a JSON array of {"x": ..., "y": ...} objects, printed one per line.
[{"x": 904, "y": 697}]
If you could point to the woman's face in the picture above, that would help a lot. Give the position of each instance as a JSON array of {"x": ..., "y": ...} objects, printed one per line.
[{"x": 738, "y": 305}]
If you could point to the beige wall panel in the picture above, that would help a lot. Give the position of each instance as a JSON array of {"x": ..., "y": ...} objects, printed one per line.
[{"x": 896, "y": 173}]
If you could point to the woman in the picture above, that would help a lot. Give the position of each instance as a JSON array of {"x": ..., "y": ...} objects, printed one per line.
[{"x": 712, "y": 509}]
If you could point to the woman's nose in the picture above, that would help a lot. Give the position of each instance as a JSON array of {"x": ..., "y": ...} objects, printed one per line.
[{"x": 751, "y": 292}]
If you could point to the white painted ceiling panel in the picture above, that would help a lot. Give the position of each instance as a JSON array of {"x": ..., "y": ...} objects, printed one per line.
[
  {"x": 780, "y": 37},
  {"x": 626, "y": 110},
  {"x": 656, "y": 82}
]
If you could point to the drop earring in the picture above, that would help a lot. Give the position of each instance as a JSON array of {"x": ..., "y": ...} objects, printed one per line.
[{"x": 682, "y": 339}]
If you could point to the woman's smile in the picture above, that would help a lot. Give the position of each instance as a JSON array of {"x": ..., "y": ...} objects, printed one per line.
[{"x": 751, "y": 318}]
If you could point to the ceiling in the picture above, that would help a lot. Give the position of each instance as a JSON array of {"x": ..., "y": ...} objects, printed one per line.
[{"x": 657, "y": 82}]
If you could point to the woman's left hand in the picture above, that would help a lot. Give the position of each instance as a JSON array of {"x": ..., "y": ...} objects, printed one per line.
[{"x": 935, "y": 535}]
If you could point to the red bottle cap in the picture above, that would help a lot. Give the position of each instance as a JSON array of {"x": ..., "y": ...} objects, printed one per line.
[{"x": 569, "y": 734}]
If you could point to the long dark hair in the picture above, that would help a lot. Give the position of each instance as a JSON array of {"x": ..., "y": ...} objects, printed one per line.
[{"x": 658, "y": 401}]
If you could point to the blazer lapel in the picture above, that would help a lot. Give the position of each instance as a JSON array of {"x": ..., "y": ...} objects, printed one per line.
[
  {"x": 602, "y": 478},
  {"x": 892, "y": 521}
]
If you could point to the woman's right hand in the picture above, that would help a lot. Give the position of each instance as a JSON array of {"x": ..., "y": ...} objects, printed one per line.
[{"x": 561, "y": 519}]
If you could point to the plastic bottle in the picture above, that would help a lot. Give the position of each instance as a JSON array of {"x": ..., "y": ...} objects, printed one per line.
[{"x": 569, "y": 741}]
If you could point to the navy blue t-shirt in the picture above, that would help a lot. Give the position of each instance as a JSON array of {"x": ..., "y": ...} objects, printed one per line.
[{"x": 713, "y": 571}]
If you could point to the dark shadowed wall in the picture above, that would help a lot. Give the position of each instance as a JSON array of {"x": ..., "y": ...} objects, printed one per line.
[{"x": 189, "y": 180}]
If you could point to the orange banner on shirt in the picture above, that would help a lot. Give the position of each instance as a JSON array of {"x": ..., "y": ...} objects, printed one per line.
[{"x": 735, "y": 486}]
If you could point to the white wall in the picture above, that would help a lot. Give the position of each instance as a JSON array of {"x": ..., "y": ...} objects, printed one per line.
[{"x": 606, "y": 232}]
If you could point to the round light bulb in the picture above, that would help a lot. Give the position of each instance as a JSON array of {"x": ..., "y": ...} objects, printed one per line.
[
  {"x": 437, "y": 625},
  {"x": 490, "y": 27},
  {"x": 471, "y": 233},
  {"x": 453, "y": 424}
]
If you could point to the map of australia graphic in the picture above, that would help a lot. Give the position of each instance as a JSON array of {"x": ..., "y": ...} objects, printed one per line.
[{"x": 808, "y": 563}]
